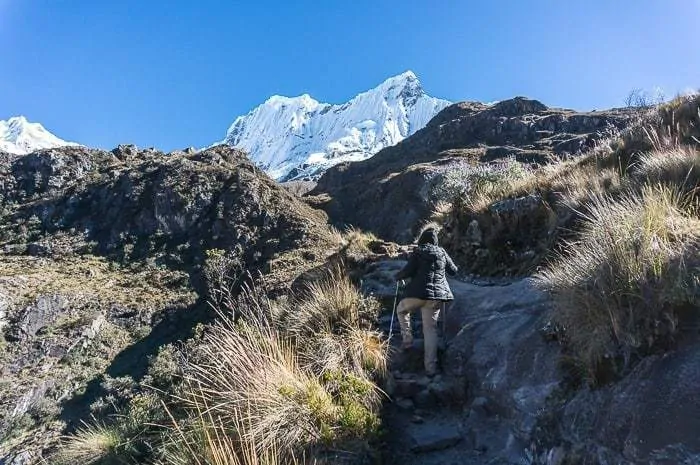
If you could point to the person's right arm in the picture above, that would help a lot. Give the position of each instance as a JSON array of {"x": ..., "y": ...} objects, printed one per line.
[{"x": 410, "y": 269}]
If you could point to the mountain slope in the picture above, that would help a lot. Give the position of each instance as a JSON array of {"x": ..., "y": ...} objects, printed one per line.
[
  {"x": 465, "y": 134},
  {"x": 19, "y": 136},
  {"x": 300, "y": 137},
  {"x": 102, "y": 265}
]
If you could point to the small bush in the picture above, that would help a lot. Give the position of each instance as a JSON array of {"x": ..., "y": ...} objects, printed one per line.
[
  {"x": 299, "y": 188},
  {"x": 477, "y": 184},
  {"x": 354, "y": 242},
  {"x": 164, "y": 368},
  {"x": 222, "y": 270},
  {"x": 128, "y": 435},
  {"x": 640, "y": 98}
]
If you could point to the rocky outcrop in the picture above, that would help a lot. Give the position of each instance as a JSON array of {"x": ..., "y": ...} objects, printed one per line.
[
  {"x": 509, "y": 238},
  {"x": 651, "y": 416},
  {"x": 388, "y": 194},
  {"x": 168, "y": 208},
  {"x": 101, "y": 266}
]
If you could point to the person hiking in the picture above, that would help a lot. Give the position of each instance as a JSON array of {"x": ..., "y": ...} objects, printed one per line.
[{"x": 427, "y": 290}]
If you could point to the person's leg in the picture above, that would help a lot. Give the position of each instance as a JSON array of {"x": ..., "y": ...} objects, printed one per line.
[
  {"x": 430, "y": 312},
  {"x": 405, "y": 307}
]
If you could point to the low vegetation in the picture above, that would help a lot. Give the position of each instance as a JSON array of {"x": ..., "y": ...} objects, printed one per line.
[
  {"x": 354, "y": 242},
  {"x": 271, "y": 381},
  {"x": 508, "y": 242},
  {"x": 478, "y": 184},
  {"x": 616, "y": 238},
  {"x": 624, "y": 288}
]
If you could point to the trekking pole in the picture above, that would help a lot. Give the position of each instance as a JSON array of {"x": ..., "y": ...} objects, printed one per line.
[
  {"x": 444, "y": 321},
  {"x": 393, "y": 312}
]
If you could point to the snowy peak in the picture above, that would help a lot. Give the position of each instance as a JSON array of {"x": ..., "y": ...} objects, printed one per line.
[
  {"x": 19, "y": 136},
  {"x": 302, "y": 100},
  {"x": 298, "y": 137},
  {"x": 406, "y": 80}
]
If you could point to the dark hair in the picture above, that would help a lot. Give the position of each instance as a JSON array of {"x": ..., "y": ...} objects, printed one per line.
[{"x": 429, "y": 236}]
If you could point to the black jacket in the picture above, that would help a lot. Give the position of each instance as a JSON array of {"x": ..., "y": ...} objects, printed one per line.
[{"x": 426, "y": 267}]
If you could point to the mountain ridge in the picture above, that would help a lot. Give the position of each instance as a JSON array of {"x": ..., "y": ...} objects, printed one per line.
[{"x": 300, "y": 137}]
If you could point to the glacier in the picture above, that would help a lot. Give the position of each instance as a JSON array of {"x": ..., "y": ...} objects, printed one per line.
[
  {"x": 299, "y": 137},
  {"x": 19, "y": 136}
]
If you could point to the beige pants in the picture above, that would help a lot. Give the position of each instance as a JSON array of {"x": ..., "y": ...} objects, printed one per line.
[{"x": 430, "y": 310}]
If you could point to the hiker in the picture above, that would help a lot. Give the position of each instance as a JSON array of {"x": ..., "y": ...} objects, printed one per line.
[{"x": 426, "y": 291}]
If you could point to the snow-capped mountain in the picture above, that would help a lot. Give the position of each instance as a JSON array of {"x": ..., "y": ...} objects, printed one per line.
[
  {"x": 297, "y": 137},
  {"x": 17, "y": 135}
]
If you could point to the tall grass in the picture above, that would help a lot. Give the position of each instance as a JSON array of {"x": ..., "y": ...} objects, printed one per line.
[
  {"x": 618, "y": 290},
  {"x": 678, "y": 166},
  {"x": 201, "y": 440},
  {"x": 286, "y": 378},
  {"x": 91, "y": 444}
]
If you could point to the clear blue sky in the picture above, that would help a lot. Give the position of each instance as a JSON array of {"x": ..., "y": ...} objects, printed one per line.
[{"x": 172, "y": 74}]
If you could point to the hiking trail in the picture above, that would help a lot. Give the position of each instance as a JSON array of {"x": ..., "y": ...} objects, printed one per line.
[{"x": 496, "y": 372}]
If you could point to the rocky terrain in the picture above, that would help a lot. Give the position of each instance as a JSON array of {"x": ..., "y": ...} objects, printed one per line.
[
  {"x": 391, "y": 193},
  {"x": 106, "y": 285},
  {"x": 102, "y": 256},
  {"x": 505, "y": 397}
]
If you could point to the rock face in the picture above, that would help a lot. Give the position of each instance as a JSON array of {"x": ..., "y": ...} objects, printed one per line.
[
  {"x": 390, "y": 192},
  {"x": 651, "y": 416},
  {"x": 507, "y": 367},
  {"x": 101, "y": 266}
]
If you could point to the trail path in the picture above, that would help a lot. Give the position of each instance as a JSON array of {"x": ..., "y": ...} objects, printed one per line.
[{"x": 497, "y": 370}]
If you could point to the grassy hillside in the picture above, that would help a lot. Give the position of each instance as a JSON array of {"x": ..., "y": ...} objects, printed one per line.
[
  {"x": 613, "y": 235},
  {"x": 113, "y": 267}
]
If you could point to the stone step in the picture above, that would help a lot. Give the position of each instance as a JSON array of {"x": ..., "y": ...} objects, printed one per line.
[{"x": 426, "y": 437}]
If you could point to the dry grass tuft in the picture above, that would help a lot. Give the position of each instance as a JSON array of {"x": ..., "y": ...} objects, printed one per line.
[
  {"x": 332, "y": 323},
  {"x": 91, "y": 444},
  {"x": 284, "y": 378},
  {"x": 354, "y": 242},
  {"x": 619, "y": 289},
  {"x": 201, "y": 440},
  {"x": 251, "y": 375},
  {"x": 678, "y": 166}
]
